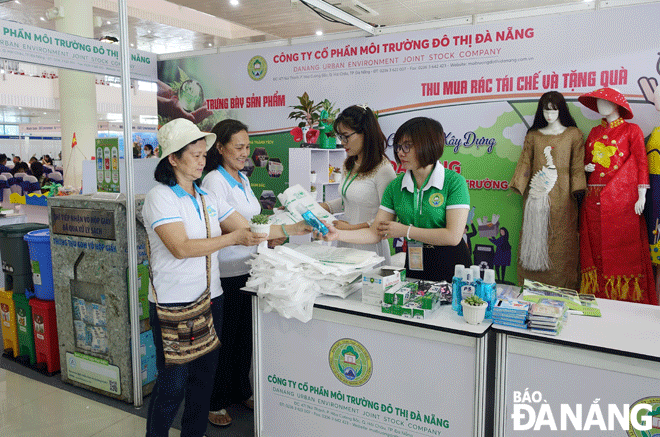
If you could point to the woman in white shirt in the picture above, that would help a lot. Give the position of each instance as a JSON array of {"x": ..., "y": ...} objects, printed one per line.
[
  {"x": 365, "y": 174},
  {"x": 175, "y": 220},
  {"x": 225, "y": 179}
]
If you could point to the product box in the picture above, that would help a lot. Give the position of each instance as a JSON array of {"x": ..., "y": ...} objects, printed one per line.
[
  {"x": 376, "y": 282},
  {"x": 400, "y": 294}
]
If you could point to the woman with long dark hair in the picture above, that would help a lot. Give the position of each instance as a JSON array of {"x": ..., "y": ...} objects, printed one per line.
[{"x": 365, "y": 174}]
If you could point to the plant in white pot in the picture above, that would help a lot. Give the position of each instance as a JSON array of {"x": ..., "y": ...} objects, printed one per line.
[
  {"x": 474, "y": 309},
  {"x": 259, "y": 224}
]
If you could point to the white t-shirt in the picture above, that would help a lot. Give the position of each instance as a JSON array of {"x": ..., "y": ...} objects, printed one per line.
[
  {"x": 361, "y": 199},
  {"x": 239, "y": 196},
  {"x": 182, "y": 280}
]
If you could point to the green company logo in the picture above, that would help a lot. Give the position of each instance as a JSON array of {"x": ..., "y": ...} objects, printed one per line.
[
  {"x": 646, "y": 422},
  {"x": 350, "y": 362},
  {"x": 257, "y": 68}
]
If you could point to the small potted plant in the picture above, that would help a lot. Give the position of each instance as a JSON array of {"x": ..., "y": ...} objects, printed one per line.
[
  {"x": 314, "y": 192},
  {"x": 308, "y": 113},
  {"x": 474, "y": 309},
  {"x": 259, "y": 224},
  {"x": 312, "y": 176}
]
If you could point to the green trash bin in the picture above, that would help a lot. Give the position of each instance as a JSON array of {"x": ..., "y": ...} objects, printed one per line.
[
  {"x": 24, "y": 329},
  {"x": 16, "y": 256}
]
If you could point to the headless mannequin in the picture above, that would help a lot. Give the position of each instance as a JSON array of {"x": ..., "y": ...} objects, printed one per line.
[{"x": 610, "y": 111}]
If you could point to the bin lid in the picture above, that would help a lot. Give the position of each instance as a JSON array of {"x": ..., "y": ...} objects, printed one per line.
[
  {"x": 19, "y": 229},
  {"x": 38, "y": 236}
]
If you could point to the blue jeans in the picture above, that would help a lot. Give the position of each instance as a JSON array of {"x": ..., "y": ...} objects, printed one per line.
[{"x": 192, "y": 381}]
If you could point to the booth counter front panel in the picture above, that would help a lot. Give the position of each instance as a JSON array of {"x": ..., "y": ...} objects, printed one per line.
[
  {"x": 353, "y": 370},
  {"x": 585, "y": 380}
]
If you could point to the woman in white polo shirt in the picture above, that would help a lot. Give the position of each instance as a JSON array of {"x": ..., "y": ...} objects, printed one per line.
[
  {"x": 176, "y": 229},
  {"x": 224, "y": 179},
  {"x": 427, "y": 204}
]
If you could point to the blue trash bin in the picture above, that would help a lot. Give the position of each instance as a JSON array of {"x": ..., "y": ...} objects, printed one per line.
[{"x": 42, "y": 264}]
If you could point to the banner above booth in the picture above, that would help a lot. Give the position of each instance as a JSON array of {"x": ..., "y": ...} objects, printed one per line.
[{"x": 35, "y": 45}]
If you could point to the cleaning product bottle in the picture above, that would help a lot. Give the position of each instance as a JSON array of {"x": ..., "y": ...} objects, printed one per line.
[
  {"x": 456, "y": 287},
  {"x": 312, "y": 220},
  {"x": 476, "y": 272},
  {"x": 467, "y": 287},
  {"x": 487, "y": 291}
]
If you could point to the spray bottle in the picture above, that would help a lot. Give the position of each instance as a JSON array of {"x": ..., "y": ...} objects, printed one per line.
[
  {"x": 487, "y": 291},
  {"x": 456, "y": 283},
  {"x": 468, "y": 287},
  {"x": 312, "y": 220}
]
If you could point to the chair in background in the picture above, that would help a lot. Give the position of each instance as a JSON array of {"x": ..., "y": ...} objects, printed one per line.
[
  {"x": 30, "y": 184},
  {"x": 56, "y": 176},
  {"x": 3, "y": 186}
]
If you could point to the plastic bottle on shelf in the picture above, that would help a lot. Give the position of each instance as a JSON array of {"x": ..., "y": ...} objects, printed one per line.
[
  {"x": 456, "y": 287},
  {"x": 312, "y": 220},
  {"x": 468, "y": 287},
  {"x": 476, "y": 272},
  {"x": 487, "y": 291}
]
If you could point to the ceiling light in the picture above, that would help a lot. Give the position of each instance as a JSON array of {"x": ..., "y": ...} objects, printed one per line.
[
  {"x": 210, "y": 45},
  {"x": 17, "y": 2},
  {"x": 108, "y": 22},
  {"x": 338, "y": 13},
  {"x": 319, "y": 33},
  {"x": 233, "y": 2},
  {"x": 42, "y": 18}
]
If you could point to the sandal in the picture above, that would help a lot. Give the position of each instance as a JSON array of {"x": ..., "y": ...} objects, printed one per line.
[
  {"x": 249, "y": 402},
  {"x": 219, "y": 418}
]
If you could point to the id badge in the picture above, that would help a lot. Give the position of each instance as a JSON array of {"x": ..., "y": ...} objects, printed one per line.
[{"x": 415, "y": 257}]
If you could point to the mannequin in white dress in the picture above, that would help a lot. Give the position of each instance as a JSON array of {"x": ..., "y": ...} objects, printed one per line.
[{"x": 365, "y": 174}]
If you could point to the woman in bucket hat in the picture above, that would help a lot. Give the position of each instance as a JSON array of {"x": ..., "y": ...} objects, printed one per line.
[
  {"x": 175, "y": 215},
  {"x": 614, "y": 254}
]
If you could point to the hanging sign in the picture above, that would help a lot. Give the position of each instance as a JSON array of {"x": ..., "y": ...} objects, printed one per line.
[{"x": 35, "y": 45}]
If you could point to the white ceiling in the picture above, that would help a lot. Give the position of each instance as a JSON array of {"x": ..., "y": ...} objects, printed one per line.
[{"x": 163, "y": 27}]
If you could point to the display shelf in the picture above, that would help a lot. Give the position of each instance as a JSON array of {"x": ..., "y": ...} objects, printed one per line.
[{"x": 301, "y": 163}]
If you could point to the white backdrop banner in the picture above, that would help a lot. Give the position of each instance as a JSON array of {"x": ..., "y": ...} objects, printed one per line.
[{"x": 35, "y": 45}]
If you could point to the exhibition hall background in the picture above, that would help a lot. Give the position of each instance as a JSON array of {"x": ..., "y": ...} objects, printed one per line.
[{"x": 482, "y": 82}]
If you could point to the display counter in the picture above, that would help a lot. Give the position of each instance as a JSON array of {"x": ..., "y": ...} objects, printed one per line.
[
  {"x": 353, "y": 370},
  {"x": 595, "y": 365}
]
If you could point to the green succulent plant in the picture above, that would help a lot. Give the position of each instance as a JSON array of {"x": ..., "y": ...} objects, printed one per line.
[
  {"x": 260, "y": 219},
  {"x": 474, "y": 300}
]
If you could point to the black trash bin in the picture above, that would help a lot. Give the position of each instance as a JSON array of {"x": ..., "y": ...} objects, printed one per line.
[{"x": 16, "y": 257}]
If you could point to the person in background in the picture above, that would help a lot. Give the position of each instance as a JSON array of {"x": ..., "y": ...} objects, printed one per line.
[
  {"x": 16, "y": 159},
  {"x": 32, "y": 159},
  {"x": 21, "y": 167},
  {"x": 149, "y": 151},
  {"x": 176, "y": 224},
  {"x": 427, "y": 204},
  {"x": 3, "y": 164},
  {"x": 47, "y": 161},
  {"x": 225, "y": 179},
  {"x": 365, "y": 174},
  {"x": 37, "y": 170}
]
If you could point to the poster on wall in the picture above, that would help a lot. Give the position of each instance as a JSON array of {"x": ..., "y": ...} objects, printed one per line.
[
  {"x": 482, "y": 82},
  {"x": 107, "y": 165}
]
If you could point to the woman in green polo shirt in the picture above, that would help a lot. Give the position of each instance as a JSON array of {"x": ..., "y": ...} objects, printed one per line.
[{"x": 427, "y": 204}]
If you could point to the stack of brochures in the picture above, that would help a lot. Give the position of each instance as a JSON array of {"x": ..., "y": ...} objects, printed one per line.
[
  {"x": 511, "y": 312},
  {"x": 547, "y": 316},
  {"x": 584, "y": 304}
]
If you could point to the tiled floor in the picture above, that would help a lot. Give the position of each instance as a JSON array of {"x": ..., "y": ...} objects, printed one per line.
[{"x": 31, "y": 408}]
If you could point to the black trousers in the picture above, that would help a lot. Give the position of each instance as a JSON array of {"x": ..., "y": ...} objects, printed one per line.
[{"x": 232, "y": 380}]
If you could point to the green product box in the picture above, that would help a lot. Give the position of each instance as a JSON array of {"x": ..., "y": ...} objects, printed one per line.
[{"x": 386, "y": 308}]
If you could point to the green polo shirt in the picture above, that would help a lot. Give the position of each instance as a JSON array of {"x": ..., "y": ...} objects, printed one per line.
[{"x": 444, "y": 190}]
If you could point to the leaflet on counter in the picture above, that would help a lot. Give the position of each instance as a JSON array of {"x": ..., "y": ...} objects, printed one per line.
[{"x": 584, "y": 304}]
